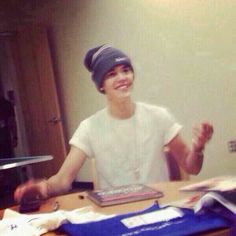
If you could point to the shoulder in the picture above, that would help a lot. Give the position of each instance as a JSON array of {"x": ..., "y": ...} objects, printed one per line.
[
  {"x": 152, "y": 109},
  {"x": 90, "y": 124},
  {"x": 96, "y": 118}
]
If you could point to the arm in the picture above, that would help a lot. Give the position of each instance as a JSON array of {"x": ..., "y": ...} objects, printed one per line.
[
  {"x": 61, "y": 182},
  {"x": 191, "y": 159},
  {"x": 57, "y": 184}
]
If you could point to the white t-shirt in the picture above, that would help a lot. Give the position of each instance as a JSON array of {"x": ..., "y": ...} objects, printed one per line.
[{"x": 127, "y": 150}]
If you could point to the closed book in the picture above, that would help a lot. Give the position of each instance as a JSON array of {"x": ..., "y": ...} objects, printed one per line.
[{"x": 123, "y": 194}]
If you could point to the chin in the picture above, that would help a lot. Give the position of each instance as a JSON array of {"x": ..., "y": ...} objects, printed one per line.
[{"x": 124, "y": 93}]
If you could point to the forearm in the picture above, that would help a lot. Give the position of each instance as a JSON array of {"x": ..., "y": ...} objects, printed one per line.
[
  {"x": 194, "y": 161},
  {"x": 201, "y": 135},
  {"x": 190, "y": 159},
  {"x": 56, "y": 185},
  {"x": 62, "y": 181}
]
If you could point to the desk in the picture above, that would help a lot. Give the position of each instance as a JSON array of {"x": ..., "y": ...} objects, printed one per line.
[{"x": 72, "y": 201}]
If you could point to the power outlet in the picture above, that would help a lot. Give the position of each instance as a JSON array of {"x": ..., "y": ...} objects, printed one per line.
[{"x": 232, "y": 145}]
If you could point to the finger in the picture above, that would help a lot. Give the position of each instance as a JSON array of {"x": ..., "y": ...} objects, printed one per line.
[
  {"x": 205, "y": 131},
  {"x": 20, "y": 191},
  {"x": 208, "y": 132},
  {"x": 208, "y": 127}
]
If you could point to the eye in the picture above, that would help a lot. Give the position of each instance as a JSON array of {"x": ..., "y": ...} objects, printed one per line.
[
  {"x": 126, "y": 69},
  {"x": 111, "y": 74}
]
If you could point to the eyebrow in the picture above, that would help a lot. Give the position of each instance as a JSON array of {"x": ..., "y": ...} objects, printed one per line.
[{"x": 122, "y": 66}]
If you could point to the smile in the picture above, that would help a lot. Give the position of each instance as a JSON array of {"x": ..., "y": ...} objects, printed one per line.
[{"x": 123, "y": 85}]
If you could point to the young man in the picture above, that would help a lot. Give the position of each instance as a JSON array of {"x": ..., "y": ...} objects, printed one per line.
[{"x": 126, "y": 138}]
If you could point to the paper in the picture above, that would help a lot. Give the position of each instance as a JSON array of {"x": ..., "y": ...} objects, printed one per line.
[
  {"x": 153, "y": 217},
  {"x": 15, "y": 224},
  {"x": 222, "y": 183},
  {"x": 210, "y": 198}
]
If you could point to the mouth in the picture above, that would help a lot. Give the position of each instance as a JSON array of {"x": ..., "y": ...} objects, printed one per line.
[{"x": 122, "y": 85}]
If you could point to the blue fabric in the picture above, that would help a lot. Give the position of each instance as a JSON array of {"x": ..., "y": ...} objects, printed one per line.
[
  {"x": 224, "y": 212},
  {"x": 189, "y": 224}
]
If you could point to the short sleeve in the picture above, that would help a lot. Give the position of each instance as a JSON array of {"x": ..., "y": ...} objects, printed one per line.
[
  {"x": 172, "y": 127},
  {"x": 80, "y": 138}
]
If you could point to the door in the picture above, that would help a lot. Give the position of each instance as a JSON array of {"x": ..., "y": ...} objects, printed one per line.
[{"x": 39, "y": 99}]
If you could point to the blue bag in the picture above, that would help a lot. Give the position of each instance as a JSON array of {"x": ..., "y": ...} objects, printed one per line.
[{"x": 188, "y": 224}]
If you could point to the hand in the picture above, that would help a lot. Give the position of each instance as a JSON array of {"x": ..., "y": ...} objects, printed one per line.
[
  {"x": 31, "y": 189},
  {"x": 202, "y": 133}
]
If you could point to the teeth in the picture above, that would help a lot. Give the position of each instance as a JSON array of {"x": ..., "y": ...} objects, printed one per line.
[
  {"x": 122, "y": 87},
  {"x": 125, "y": 85}
]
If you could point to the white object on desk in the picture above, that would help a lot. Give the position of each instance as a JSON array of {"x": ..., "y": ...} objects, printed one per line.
[
  {"x": 23, "y": 164},
  {"x": 14, "y": 223},
  {"x": 161, "y": 215},
  {"x": 7, "y": 163}
]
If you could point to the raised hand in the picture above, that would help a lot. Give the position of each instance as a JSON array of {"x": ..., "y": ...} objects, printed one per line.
[{"x": 202, "y": 133}]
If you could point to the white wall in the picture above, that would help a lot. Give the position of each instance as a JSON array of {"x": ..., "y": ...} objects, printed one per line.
[{"x": 183, "y": 53}]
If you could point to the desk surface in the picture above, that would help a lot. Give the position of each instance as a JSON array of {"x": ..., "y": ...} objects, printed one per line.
[
  {"x": 7, "y": 163},
  {"x": 73, "y": 201}
]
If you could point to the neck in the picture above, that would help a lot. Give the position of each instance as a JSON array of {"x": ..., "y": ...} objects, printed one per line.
[{"x": 122, "y": 109}]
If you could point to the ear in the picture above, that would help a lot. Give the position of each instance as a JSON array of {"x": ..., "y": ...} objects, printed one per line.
[{"x": 102, "y": 90}]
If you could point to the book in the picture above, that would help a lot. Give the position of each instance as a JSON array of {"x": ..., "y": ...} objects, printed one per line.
[
  {"x": 123, "y": 194},
  {"x": 210, "y": 199},
  {"x": 221, "y": 183}
]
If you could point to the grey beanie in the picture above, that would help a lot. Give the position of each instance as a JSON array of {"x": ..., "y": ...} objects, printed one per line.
[{"x": 100, "y": 60}]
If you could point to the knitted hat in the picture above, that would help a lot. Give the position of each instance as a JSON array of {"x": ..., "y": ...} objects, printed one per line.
[{"x": 100, "y": 60}]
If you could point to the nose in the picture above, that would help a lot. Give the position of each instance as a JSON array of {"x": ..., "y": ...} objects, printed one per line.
[{"x": 121, "y": 76}]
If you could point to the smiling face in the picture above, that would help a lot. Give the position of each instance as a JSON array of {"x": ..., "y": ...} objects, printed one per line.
[{"x": 118, "y": 82}]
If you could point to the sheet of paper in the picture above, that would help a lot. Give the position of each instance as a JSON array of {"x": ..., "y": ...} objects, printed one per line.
[{"x": 152, "y": 217}]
